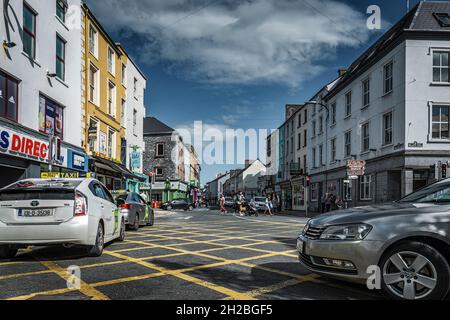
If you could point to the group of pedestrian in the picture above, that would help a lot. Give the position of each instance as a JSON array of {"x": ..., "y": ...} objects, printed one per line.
[
  {"x": 240, "y": 204},
  {"x": 331, "y": 202}
]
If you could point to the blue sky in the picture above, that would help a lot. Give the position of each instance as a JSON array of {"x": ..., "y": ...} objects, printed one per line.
[{"x": 235, "y": 64}]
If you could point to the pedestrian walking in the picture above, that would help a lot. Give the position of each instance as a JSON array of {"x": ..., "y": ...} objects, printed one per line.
[
  {"x": 223, "y": 210},
  {"x": 269, "y": 206},
  {"x": 241, "y": 204}
]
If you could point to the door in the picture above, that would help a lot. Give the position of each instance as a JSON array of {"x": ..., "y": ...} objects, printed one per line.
[
  {"x": 112, "y": 212},
  {"x": 138, "y": 206}
]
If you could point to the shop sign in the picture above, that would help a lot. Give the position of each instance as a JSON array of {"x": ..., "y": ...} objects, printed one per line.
[
  {"x": 77, "y": 161},
  {"x": 356, "y": 168},
  {"x": 60, "y": 175},
  {"x": 135, "y": 160},
  {"x": 23, "y": 146}
]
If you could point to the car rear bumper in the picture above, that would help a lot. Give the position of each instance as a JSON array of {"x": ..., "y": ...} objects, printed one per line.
[
  {"x": 362, "y": 254},
  {"x": 74, "y": 231}
]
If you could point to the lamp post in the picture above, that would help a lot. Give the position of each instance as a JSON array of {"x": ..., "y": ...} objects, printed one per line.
[{"x": 326, "y": 138}]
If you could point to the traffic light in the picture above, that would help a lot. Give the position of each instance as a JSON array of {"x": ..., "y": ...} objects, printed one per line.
[
  {"x": 308, "y": 181},
  {"x": 444, "y": 171}
]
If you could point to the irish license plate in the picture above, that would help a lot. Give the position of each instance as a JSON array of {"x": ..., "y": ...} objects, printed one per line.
[{"x": 35, "y": 213}]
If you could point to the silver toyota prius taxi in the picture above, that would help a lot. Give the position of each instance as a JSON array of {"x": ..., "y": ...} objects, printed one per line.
[
  {"x": 404, "y": 245},
  {"x": 43, "y": 212}
]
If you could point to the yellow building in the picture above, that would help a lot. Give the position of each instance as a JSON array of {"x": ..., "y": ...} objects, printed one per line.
[{"x": 103, "y": 102}]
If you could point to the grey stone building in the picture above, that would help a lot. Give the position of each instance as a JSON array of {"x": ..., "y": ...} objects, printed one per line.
[{"x": 164, "y": 157}]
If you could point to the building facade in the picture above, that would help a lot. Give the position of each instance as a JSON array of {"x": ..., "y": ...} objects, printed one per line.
[
  {"x": 132, "y": 120},
  {"x": 40, "y": 104},
  {"x": 389, "y": 109}
]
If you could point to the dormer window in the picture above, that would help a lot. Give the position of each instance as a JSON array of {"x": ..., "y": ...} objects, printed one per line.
[{"x": 443, "y": 19}]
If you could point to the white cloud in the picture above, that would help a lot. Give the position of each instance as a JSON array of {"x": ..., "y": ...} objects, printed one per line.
[{"x": 240, "y": 41}]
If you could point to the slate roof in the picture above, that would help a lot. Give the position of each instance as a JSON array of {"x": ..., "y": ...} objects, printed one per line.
[
  {"x": 153, "y": 126},
  {"x": 420, "y": 18}
]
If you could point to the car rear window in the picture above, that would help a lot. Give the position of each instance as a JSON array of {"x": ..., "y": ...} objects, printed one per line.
[
  {"x": 48, "y": 194},
  {"x": 43, "y": 184}
]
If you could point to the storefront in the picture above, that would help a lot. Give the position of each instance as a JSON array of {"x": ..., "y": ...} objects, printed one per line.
[
  {"x": 138, "y": 180},
  {"x": 25, "y": 153},
  {"x": 286, "y": 195},
  {"x": 169, "y": 190},
  {"x": 113, "y": 175},
  {"x": 298, "y": 194}
]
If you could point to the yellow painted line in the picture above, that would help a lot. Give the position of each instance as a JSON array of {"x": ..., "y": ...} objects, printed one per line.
[
  {"x": 44, "y": 293},
  {"x": 234, "y": 294},
  {"x": 85, "y": 289},
  {"x": 25, "y": 274}
]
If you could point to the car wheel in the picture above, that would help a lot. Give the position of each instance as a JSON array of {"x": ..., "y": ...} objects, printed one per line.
[
  {"x": 97, "y": 249},
  {"x": 169, "y": 208},
  {"x": 136, "y": 223},
  {"x": 8, "y": 251},
  {"x": 122, "y": 231},
  {"x": 191, "y": 208},
  {"x": 152, "y": 219},
  {"x": 415, "y": 271}
]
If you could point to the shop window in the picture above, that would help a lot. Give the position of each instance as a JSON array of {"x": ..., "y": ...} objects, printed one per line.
[
  {"x": 314, "y": 192},
  {"x": 9, "y": 103},
  {"x": 347, "y": 190},
  {"x": 366, "y": 188},
  {"x": 51, "y": 117}
]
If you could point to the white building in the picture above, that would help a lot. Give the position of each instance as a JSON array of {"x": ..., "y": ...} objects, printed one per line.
[
  {"x": 133, "y": 120},
  {"x": 40, "y": 88},
  {"x": 247, "y": 179},
  {"x": 391, "y": 109}
]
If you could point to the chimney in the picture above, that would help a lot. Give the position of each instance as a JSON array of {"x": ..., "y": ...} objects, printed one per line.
[{"x": 342, "y": 71}]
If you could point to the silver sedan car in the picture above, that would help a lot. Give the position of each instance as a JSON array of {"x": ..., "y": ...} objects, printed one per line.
[{"x": 403, "y": 246}]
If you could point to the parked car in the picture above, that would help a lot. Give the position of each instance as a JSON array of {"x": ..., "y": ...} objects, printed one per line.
[
  {"x": 58, "y": 211},
  {"x": 178, "y": 204},
  {"x": 135, "y": 210},
  {"x": 259, "y": 203},
  {"x": 408, "y": 240}
]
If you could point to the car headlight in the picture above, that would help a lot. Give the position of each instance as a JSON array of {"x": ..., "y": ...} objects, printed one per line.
[
  {"x": 346, "y": 232},
  {"x": 305, "y": 229}
]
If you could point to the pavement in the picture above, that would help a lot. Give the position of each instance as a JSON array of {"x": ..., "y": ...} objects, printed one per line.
[{"x": 198, "y": 255}]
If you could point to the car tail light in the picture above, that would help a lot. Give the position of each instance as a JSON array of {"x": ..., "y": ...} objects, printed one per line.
[
  {"x": 80, "y": 205},
  {"x": 125, "y": 206}
]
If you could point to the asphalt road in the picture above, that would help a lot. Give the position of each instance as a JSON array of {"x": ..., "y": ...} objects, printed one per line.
[{"x": 185, "y": 256}]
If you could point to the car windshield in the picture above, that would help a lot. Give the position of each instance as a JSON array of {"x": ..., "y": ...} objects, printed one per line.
[
  {"x": 260, "y": 199},
  {"x": 435, "y": 193}
]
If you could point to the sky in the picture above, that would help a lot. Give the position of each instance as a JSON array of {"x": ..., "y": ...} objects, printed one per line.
[{"x": 235, "y": 64}]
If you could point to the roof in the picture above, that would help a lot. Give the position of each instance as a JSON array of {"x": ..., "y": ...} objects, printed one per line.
[
  {"x": 420, "y": 18},
  {"x": 153, "y": 126}
]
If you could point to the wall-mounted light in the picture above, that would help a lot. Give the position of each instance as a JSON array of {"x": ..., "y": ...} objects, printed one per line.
[{"x": 9, "y": 44}]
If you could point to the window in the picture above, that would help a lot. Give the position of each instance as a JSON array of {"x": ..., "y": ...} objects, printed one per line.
[
  {"x": 124, "y": 74},
  {"x": 50, "y": 117},
  {"x": 299, "y": 119},
  {"x": 29, "y": 31},
  {"x": 443, "y": 19},
  {"x": 314, "y": 162},
  {"x": 321, "y": 155},
  {"x": 305, "y": 139},
  {"x": 366, "y": 93},
  {"x": 111, "y": 99},
  {"x": 93, "y": 84},
  {"x": 287, "y": 147},
  {"x": 111, "y": 144},
  {"x": 111, "y": 61},
  {"x": 135, "y": 122},
  {"x": 333, "y": 113},
  {"x": 122, "y": 112},
  {"x": 93, "y": 133},
  {"x": 159, "y": 172},
  {"x": 366, "y": 188},
  {"x": 365, "y": 137},
  {"x": 387, "y": 128},
  {"x": 388, "y": 77},
  {"x": 60, "y": 58},
  {"x": 314, "y": 128},
  {"x": 440, "y": 122},
  {"x": 93, "y": 40},
  {"x": 314, "y": 192},
  {"x": 9, "y": 103},
  {"x": 305, "y": 164},
  {"x": 135, "y": 83},
  {"x": 299, "y": 141},
  {"x": 292, "y": 144},
  {"x": 305, "y": 117},
  {"x": 333, "y": 150},
  {"x": 440, "y": 66},
  {"x": 348, "y": 144},
  {"x": 61, "y": 10},
  {"x": 287, "y": 130},
  {"x": 160, "y": 150},
  {"x": 348, "y": 104},
  {"x": 320, "y": 124}
]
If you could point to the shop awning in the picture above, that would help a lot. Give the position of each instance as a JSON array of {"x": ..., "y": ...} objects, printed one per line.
[{"x": 117, "y": 167}]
